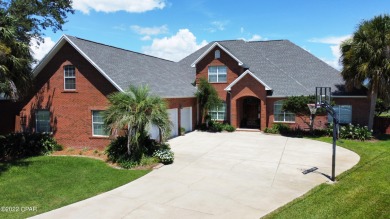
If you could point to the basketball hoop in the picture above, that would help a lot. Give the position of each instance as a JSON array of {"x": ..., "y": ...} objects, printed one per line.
[{"x": 312, "y": 108}]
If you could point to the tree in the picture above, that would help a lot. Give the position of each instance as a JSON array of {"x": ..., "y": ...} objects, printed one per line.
[
  {"x": 135, "y": 110},
  {"x": 207, "y": 98},
  {"x": 298, "y": 105},
  {"x": 20, "y": 22},
  {"x": 366, "y": 59},
  {"x": 381, "y": 107}
]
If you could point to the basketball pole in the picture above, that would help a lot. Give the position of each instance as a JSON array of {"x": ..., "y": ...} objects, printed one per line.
[{"x": 332, "y": 112}]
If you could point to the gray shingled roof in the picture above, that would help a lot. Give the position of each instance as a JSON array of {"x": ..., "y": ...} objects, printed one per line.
[
  {"x": 285, "y": 67},
  {"x": 127, "y": 68},
  {"x": 288, "y": 69}
]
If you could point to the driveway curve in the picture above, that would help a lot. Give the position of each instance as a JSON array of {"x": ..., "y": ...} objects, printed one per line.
[{"x": 219, "y": 175}]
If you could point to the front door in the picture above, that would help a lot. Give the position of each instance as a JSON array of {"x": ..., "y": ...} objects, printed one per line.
[{"x": 250, "y": 113}]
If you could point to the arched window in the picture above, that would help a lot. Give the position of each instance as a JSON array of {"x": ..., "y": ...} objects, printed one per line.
[
  {"x": 280, "y": 115},
  {"x": 217, "y": 54}
]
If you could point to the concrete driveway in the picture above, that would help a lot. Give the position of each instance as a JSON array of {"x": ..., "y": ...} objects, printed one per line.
[{"x": 219, "y": 175}]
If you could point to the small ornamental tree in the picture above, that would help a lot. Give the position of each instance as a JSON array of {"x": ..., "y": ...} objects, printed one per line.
[
  {"x": 207, "y": 98},
  {"x": 298, "y": 105}
]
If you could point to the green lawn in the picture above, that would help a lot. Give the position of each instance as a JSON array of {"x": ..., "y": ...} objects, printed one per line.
[
  {"x": 362, "y": 192},
  {"x": 45, "y": 183}
]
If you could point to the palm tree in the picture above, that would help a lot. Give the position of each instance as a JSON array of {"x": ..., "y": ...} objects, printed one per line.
[
  {"x": 366, "y": 58},
  {"x": 136, "y": 110},
  {"x": 15, "y": 59}
]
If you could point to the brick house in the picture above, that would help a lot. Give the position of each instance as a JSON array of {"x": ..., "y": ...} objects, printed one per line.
[{"x": 252, "y": 78}]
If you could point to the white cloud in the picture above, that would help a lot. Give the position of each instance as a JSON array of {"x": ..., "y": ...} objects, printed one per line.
[
  {"x": 330, "y": 40},
  {"x": 175, "y": 47},
  {"x": 254, "y": 37},
  {"x": 146, "y": 38},
  {"x": 334, "y": 44},
  {"x": 150, "y": 30},
  {"x": 135, "y": 6},
  {"x": 40, "y": 51},
  {"x": 217, "y": 25}
]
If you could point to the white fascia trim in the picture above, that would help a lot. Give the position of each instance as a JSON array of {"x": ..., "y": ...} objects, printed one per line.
[
  {"x": 211, "y": 48},
  {"x": 228, "y": 88},
  {"x": 49, "y": 56},
  {"x": 57, "y": 47},
  {"x": 93, "y": 64}
]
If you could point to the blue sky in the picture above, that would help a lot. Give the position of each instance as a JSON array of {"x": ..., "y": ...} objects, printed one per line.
[{"x": 172, "y": 29}]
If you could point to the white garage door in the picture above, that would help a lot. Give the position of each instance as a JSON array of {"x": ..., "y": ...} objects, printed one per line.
[
  {"x": 154, "y": 133},
  {"x": 173, "y": 117},
  {"x": 186, "y": 118}
]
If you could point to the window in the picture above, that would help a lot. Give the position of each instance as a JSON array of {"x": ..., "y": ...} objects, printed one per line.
[
  {"x": 344, "y": 114},
  {"x": 69, "y": 77},
  {"x": 217, "y": 54},
  {"x": 98, "y": 127},
  {"x": 282, "y": 116},
  {"x": 42, "y": 121},
  {"x": 217, "y": 73},
  {"x": 218, "y": 113}
]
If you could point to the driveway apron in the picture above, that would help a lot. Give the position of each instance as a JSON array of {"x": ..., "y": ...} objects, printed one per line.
[{"x": 219, "y": 175}]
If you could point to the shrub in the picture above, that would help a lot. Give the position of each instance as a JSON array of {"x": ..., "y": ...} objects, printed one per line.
[
  {"x": 22, "y": 145},
  {"x": 165, "y": 156},
  {"x": 228, "y": 128},
  {"x": 182, "y": 130},
  {"x": 354, "y": 132},
  {"x": 278, "y": 128},
  {"x": 117, "y": 152},
  {"x": 215, "y": 126}
]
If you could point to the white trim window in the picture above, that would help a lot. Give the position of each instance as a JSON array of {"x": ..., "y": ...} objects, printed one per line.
[
  {"x": 344, "y": 114},
  {"x": 69, "y": 77},
  {"x": 98, "y": 126},
  {"x": 42, "y": 121},
  {"x": 280, "y": 115},
  {"x": 218, "y": 113},
  {"x": 217, "y": 74}
]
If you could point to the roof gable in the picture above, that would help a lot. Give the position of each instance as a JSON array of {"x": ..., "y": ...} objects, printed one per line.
[
  {"x": 124, "y": 68},
  {"x": 247, "y": 72},
  {"x": 216, "y": 44},
  {"x": 65, "y": 39}
]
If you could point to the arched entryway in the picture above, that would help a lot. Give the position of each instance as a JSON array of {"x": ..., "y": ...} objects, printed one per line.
[{"x": 249, "y": 112}]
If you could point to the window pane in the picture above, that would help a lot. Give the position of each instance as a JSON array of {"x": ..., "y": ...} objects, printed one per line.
[
  {"x": 98, "y": 129},
  {"x": 278, "y": 117},
  {"x": 98, "y": 125},
  {"x": 42, "y": 121},
  {"x": 222, "y": 78},
  {"x": 70, "y": 83},
  {"x": 289, "y": 117},
  {"x": 213, "y": 70},
  {"x": 69, "y": 71},
  {"x": 222, "y": 69},
  {"x": 213, "y": 78},
  {"x": 213, "y": 115}
]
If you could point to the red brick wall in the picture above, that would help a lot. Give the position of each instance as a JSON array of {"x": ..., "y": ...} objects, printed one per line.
[
  {"x": 360, "y": 108},
  {"x": 233, "y": 71},
  {"x": 71, "y": 111},
  {"x": 248, "y": 87}
]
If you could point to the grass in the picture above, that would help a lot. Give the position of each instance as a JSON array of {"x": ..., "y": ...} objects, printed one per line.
[
  {"x": 361, "y": 192},
  {"x": 48, "y": 183}
]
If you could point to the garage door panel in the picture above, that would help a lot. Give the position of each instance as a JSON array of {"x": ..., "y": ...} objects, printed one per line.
[
  {"x": 173, "y": 114},
  {"x": 186, "y": 118}
]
